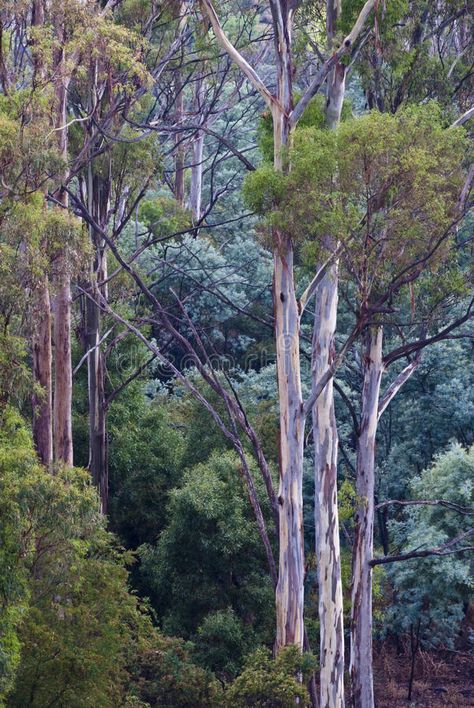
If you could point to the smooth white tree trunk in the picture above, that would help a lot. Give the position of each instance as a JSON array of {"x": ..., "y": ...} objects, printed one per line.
[
  {"x": 361, "y": 610},
  {"x": 328, "y": 553}
]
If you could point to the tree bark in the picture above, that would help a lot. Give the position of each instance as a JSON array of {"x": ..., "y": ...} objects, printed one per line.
[
  {"x": 195, "y": 192},
  {"x": 63, "y": 451},
  {"x": 290, "y": 588},
  {"x": 41, "y": 351},
  {"x": 42, "y": 401},
  {"x": 98, "y": 199},
  {"x": 328, "y": 553},
  {"x": 361, "y": 610}
]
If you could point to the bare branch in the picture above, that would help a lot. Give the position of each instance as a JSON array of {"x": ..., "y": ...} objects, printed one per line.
[
  {"x": 230, "y": 435},
  {"x": 312, "y": 287},
  {"x": 89, "y": 351},
  {"x": 445, "y": 333},
  {"x": 397, "y": 384},
  {"x": 129, "y": 380},
  {"x": 464, "y": 118},
  {"x": 446, "y": 549},
  {"x": 323, "y": 72},
  {"x": 427, "y": 502},
  {"x": 235, "y": 55},
  {"x": 327, "y": 376}
]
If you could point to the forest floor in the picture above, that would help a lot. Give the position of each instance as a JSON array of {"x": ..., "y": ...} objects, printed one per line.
[{"x": 440, "y": 678}]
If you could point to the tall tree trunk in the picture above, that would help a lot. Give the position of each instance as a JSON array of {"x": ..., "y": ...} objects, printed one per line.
[
  {"x": 195, "y": 195},
  {"x": 62, "y": 302},
  {"x": 96, "y": 389},
  {"x": 41, "y": 351},
  {"x": 179, "y": 149},
  {"x": 42, "y": 401},
  {"x": 290, "y": 588},
  {"x": 98, "y": 203},
  {"x": 178, "y": 118},
  {"x": 195, "y": 192},
  {"x": 328, "y": 554},
  {"x": 361, "y": 610}
]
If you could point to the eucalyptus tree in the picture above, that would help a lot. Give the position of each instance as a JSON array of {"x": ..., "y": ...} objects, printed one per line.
[
  {"x": 290, "y": 588},
  {"x": 395, "y": 198}
]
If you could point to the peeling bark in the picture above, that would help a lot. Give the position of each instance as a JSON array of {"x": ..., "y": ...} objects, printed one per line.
[
  {"x": 328, "y": 553},
  {"x": 361, "y": 610},
  {"x": 289, "y": 594},
  {"x": 290, "y": 587}
]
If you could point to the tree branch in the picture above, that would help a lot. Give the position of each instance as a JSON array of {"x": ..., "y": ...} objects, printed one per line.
[
  {"x": 397, "y": 384},
  {"x": 231, "y": 436},
  {"x": 235, "y": 55},
  {"x": 323, "y": 72},
  {"x": 411, "y": 347},
  {"x": 89, "y": 351},
  {"x": 464, "y": 118},
  {"x": 427, "y": 502},
  {"x": 312, "y": 287},
  {"x": 331, "y": 370},
  {"x": 445, "y": 549}
]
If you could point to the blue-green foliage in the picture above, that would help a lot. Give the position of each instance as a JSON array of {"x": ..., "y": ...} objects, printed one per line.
[{"x": 434, "y": 590}]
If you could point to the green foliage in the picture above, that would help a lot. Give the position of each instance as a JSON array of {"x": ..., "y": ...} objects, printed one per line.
[
  {"x": 163, "y": 216},
  {"x": 384, "y": 186},
  {"x": 314, "y": 116},
  {"x": 145, "y": 455},
  {"x": 18, "y": 472},
  {"x": 209, "y": 559},
  {"x": 433, "y": 590},
  {"x": 397, "y": 65},
  {"x": 220, "y": 641},
  {"x": 161, "y": 672},
  {"x": 272, "y": 682},
  {"x": 70, "y": 631}
]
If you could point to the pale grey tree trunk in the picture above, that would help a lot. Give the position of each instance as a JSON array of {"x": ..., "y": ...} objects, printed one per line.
[
  {"x": 328, "y": 554},
  {"x": 195, "y": 191},
  {"x": 195, "y": 194},
  {"x": 42, "y": 376},
  {"x": 362, "y": 553},
  {"x": 291, "y": 570},
  {"x": 98, "y": 188},
  {"x": 290, "y": 587},
  {"x": 63, "y": 451}
]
